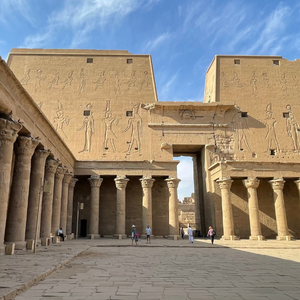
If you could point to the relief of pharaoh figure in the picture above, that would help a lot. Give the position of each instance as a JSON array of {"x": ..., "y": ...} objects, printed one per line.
[
  {"x": 88, "y": 126},
  {"x": 270, "y": 122},
  {"x": 292, "y": 128}
]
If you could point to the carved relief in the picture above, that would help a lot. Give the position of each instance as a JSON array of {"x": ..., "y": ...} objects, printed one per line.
[
  {"x": 277, "y": 184},
  {"x": 88, "y": 127},
  {"x": 51, "y": 165},
  {"x": 251, "y": 183},
  {"x": 266, "y": 79},
  {"x": 101, "y": 80},
  {"x": 253, "y": 83},
  {"x": 38, "y": 80},
  {"x": 121, "y": 182},
  {"x": 172, "y": 182},
  {"x": 9, "y": 131},
  {"x": 135, "y": 126},
  {"x": 95, "y": 181},
  {"x": 145, "y": 80},
  {"x": 109, "y": 136},
  {"x": 54, "y": 81},
  {"x": 224, "y": 81},
  {"x": 147, "y": 182},
  {"x": 131, "y": 82},
  {"x": 270, "y": 123},
  {"x": 117, "y": 84},
  {"x": 68, "y": 81},
  {"x": 292, "y": 128},
  {"x": 187, "y": 114},
  {"x": 60, "y": 119},
  {"x": 236, "y": 80},
  {"x": 296, "y": 80},
  {"x": 283, "y": 83},
  {"x": 225, "y": 183},
  {"x": 81, "y": 82},
  {"x": 26, "y": 77}
]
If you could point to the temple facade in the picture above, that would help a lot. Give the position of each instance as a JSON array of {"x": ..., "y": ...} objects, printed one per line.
[{"x": 85, "y": 126}]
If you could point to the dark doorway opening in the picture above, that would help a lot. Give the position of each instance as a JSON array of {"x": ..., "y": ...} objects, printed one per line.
[{"x": 83, "y": 227}]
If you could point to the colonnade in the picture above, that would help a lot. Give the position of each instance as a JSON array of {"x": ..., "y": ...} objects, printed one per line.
[
  {"x": 121, "y": 184},
  {"x": 34, "y": 190},
  {"x": 251, "y": 185}
]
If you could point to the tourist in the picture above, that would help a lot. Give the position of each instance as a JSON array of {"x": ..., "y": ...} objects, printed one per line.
[
  {"x": 182, "y": 233},
  {"x": 148, "y": 233},
  {"x": 190, "y": 233},
  {"x": 211, "y": 233},
  {"x": 134, "y": 235},
  {"x": 60, "y": 233}
]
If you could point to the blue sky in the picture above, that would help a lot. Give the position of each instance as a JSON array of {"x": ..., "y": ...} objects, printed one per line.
[{"x": 181, "y": 35}]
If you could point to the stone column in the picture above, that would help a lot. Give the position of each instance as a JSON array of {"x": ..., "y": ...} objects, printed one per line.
[
  {"x": 255, "y": 228},
  {"x": 8, "y": 134},
  {"x": 64, "y": 201},
  {"x": 95, "y": 183},
  {"x": 173, "y": 207},
  {"x": 17, "y": 208},
  {"x": 298, "y": 184},
  {"x": 59, "y": 175},
  {"x": 47, "y": 203},
  {"x": 121, "y": 183},
  {"x": 228, "y": 225},
  {"x": 35, "y": 191},
  {"x": 70, "y": 204},
  {"x": 147, "y": 183},
  {"x": 282, "y": 227}
]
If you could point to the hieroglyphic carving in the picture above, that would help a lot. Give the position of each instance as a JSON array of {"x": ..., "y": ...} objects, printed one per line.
[
  {"x": 60, "y": 119},
  {"x": 224, "y": 80},
  {"x": 292, "y": 128},
  {"x": 266, "y": 79},
  {"x": 236, "y": 80},
  {"x": 296, "y": 80},
  {"x": 240, "y": 126},
  {"x": 109, "y": 136},
  {"x": 68, "y": 80},
  {"x": 135, "y": 125},
  {"x": 26, "y": 77},
  {"x": 131, "y": 82},
  {"x": 117, "y": 84},
  {"x": 187, "y": 114},
  {"x": 253, "y": 83},
  {"x": 145, "y": 80},
  {"x": 88, "y": 126},
  {"x": 283, "y": 83},
  {"x": 38, "y": 80},
  {"x": 54, "y": 81},
  {"x": 82, "y": 82},
  {"x": 270, "y": 123},
  {"x": 100, "y": 81}
]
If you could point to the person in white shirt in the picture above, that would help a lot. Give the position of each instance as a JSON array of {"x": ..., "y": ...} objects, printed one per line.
[
  {"x": 148, "y": 233},
  {"x": 60, "y": 233},
  {"x": 190, "y": 232}
]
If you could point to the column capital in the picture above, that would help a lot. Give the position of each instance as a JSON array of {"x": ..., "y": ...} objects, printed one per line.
[
  {"x": 277, "y": 184},
  {"x": 26, "y": 145},
  {"x": 60, "y": 172},
  {"x": 147, "y": 182},
  {"x": 172, "y": 182},
  {"x": 121, "y": 182},
  {"x": 9, "y": 130},
  {"x": 51, "y": 165},
  {"x": 251, "y": 183},
  {"x": 73, "y": 182},
  {"x": 67, "y": 177},
  {"x": 225, "y": 183},
  {"x": 95, "y": 181},
  {"x": 41, "y": 154},
  {"x": 297, "y": 184}
]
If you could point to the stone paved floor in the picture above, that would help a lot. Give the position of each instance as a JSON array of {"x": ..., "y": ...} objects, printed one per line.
[{"x": 176, "y": 270}]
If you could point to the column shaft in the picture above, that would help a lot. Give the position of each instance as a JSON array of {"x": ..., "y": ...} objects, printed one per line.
[
  {"x": 173, "y": 206},
  {"x": 8, "y": 134},
  {"x": 70, "y": 205},
  {"x": 64, "y": 201},
  {"x": 121, "y": 183},
  {"x": 35, "y": 192},
  {"x": 56, "y": 208},
  {"x": 17, "y": 208}
]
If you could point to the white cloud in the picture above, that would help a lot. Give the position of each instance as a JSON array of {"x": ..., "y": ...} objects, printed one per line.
[
  {"x": 152, "y": 44},
  {"x": 166, "y": 87}
]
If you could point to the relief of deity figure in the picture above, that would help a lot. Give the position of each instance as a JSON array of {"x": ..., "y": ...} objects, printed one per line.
[
  {"x": 292, "y": 128},
  {"x": 82, "y": 82},
  {"x": 283, "y": 83},
  {"x": 54, "y": 81},
  {"x": 68, "y": 80},
  {"x": 101, "y": 80},
  {"x": 38, "y": 80},
  {"x": 132, "y": 80},
  {"x": 236, "y": 80},
  {"x": 26, "y": 77},
  {"x": 88, "y": 126},
  {"x": 253, "y": 83},
  {"x": 117, "y": 84},
  {"x": 145, "y": 80},
  {"x": 270, "y": 123},
  {"x": 60, "y": 119}
]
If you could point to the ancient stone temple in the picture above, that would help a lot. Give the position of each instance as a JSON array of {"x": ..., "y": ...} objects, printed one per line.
[{"x": 85, "y": 126}]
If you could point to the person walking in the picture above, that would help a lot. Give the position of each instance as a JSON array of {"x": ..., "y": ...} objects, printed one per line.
[
  {"x": 182, "y": 233},
  {"x": 148, "y": 233},
  {"x": 190, "y": 233},
  {"x": 211, "y": 233},
  {"x": 133, "y": 234}
]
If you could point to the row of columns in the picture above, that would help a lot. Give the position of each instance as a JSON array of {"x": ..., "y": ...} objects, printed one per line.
[
  {"x": 255, "y": 226},
  {"x": 21, "y": 192},
  {"x": 121, "y": 184}
]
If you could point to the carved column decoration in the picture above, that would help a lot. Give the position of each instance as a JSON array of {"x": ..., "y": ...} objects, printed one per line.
[
  {"x": 255, "y": 228},
  {"x": 298, "y": 184},
  {"x": 121, "y": 183},
  {"x": 17, "y": 208},
  {"x": 56, "y": 208},
  {"x": 281, "y": 221},
  {"x": 47, "y": 203},
  {"x": 70, "y": 204},
  {"x": 173, "y": 206},
  {"x": 95, "y": 183},
  {"x": 35, "y": 191},
  {"x": 8, "y": 133},
  {"x": 228, "y": 225},
  {"x": 147, "y": 184},
  {"x": 64, "y": 201}
]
